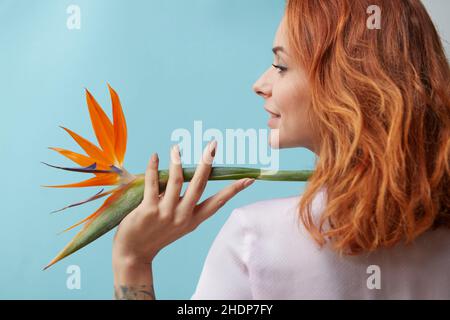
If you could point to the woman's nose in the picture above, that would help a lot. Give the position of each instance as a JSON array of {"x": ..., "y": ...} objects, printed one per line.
[{"x": 262, "y": 86}]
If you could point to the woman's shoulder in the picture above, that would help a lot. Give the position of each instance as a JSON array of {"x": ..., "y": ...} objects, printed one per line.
[
  {"x": 276, "y": 207},
  {"x": 270, "y": 204},
  {"x": 261, "y": 216},
  {"x": 279, "y": 214}
]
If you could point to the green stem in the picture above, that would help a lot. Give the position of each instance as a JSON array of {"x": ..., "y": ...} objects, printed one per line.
[
  {"x": 132, "y": 196},
  {"x": 236, "y": 173}
]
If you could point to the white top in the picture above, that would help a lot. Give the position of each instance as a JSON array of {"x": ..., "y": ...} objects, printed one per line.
[{"x": 260, "y": 253}]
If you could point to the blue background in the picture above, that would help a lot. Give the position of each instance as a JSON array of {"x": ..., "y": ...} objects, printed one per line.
[{"x": 172, "y": 62}]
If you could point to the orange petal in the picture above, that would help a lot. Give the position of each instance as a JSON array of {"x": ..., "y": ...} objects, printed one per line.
[
  {"x": 80, "y": 222},
  {"x": 92, "y": 150},
  {"x": 107, "y": 179},
  {"x": 80, "y": 159},
  {"x": 102, "y": 126},
  {"x": 120, "y": 127}
]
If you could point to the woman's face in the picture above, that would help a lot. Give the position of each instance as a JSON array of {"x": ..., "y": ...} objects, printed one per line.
[{"x": 287, "y": 98}]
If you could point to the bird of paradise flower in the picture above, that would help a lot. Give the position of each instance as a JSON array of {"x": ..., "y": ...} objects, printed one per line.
[{"x": 106, "y": 163}]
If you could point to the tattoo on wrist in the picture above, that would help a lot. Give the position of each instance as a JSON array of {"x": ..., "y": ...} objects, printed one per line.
[{"x": 142, "y": 292}]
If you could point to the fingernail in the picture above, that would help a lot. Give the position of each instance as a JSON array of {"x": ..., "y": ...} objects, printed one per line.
[
  {"x": 248, "y": 182},
  {"x": 174, "y": 154},
  {"x": 155, "y": 157},
  {"x": 213, "y": 145},
  {"x": 176, "y": 149}
]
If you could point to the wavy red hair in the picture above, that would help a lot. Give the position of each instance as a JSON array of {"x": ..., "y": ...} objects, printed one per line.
[{"x": 381, "y": 107}]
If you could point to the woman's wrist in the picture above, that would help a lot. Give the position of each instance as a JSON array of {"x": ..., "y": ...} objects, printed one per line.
[{"x": 133, "y": 279}]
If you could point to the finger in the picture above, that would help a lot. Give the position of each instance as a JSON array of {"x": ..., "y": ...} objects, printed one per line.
[
  {"x": 208, "y": 207},
  {"x": 198, "y": 182},
  {"x": 151, "y": 188},
  {"x": 175, "y": 182}
]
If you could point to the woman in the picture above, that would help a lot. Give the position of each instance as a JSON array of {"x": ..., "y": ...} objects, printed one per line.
[{"x": 374, "y": 106}]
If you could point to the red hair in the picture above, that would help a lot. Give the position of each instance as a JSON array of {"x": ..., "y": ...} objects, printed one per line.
[{"x": 381, "y": 108}]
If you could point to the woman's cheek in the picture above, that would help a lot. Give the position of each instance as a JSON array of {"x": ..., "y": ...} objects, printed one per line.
[{"x": 288, "y": 132}]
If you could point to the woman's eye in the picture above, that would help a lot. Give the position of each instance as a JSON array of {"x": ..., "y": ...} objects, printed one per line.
[{"x": 279, "y": 68}]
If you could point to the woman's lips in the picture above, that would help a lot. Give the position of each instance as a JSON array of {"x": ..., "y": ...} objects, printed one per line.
[
  {"x": 271, "y": 112},
  {"x": 274, "y": 121}
]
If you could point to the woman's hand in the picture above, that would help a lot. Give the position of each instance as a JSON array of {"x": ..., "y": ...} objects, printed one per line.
[{"x": 161, "y": 219}]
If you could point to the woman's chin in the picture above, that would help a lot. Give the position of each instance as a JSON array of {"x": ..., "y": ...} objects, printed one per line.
[{"x": 274, "y": 139}]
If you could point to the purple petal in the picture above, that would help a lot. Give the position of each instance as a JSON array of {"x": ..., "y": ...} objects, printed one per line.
[
  {"x": 88, "y": 169},
  {"x": 115, "y": 169},
  {"x": 94, "y": 197}
]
